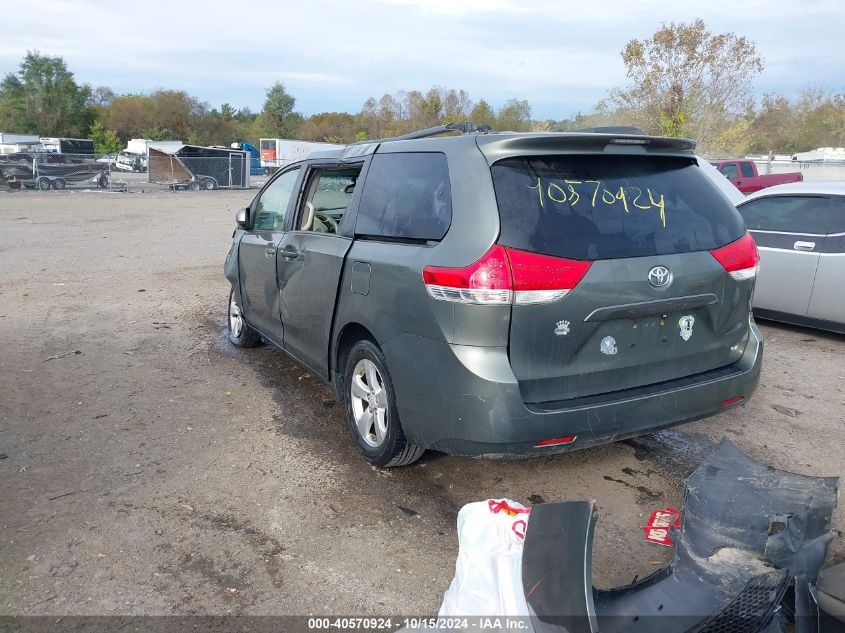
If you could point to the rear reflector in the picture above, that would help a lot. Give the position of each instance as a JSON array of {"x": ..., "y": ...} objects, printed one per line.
[
  {"x": 730, "y": 401},
  {"x": 556, "y": 441},
  {"x": 739, "y": 258},
  {"x": 506, "y": 275}
]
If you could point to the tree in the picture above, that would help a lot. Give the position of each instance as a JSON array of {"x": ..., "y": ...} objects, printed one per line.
[
  {"x": 43, "y": 98},
  {"x": 483, "y": 114},
  {"x": 277, "y": 118},
  {"x": 514, "y": 116},
  {"x": 332, "y": 127},
  {"x": 105, "y": 141},
  {"x": 687, "y": 81}
]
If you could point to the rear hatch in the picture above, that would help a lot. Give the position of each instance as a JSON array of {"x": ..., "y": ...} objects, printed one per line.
[{"x": 651, "y": 264}]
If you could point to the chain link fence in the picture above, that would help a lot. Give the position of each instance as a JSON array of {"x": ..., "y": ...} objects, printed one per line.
[
  {"x": 42, "y": 172},
  {"x": 217, "y": 169}
]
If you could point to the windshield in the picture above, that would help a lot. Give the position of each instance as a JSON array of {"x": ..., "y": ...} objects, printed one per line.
[{"x": 605, "y": 207}]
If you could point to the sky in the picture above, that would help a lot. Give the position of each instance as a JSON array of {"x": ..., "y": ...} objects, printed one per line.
[{"x": 561, "y": 56}]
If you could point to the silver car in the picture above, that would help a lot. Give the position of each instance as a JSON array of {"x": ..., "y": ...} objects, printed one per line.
[{"x": 800, "y": 233}]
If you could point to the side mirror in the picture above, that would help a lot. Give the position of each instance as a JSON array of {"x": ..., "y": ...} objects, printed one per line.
[{"x": 242, "y": 218}]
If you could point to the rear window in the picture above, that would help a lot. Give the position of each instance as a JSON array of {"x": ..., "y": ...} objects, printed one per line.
[
  {"x": 406, "y": 196},
  {"x": 607, "y": 207}
]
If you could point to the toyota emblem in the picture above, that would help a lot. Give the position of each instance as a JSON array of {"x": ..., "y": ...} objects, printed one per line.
[{"x": 659, "y": 276}]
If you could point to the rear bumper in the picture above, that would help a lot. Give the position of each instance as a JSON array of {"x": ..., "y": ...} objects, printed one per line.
[{"x": 465, "y": 400}]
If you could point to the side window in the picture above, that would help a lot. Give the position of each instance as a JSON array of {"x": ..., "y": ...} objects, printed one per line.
[
  {"x": 730, "y": 172},
  {"x": 747, "y": 170},
  {"x": 787, "y": 214},
  {"x": 837, "y": 215},
  {"x": 406, "y": 196},
  {"x": 269, "y": 210},
  {"x": 329, "y": 193}
]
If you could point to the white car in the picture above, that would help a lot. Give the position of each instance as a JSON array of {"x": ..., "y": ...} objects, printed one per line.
[{"x": 799, "y": 229}]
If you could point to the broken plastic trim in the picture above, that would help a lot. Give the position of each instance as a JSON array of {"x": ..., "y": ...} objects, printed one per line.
[{"x": 748, "y": 531}]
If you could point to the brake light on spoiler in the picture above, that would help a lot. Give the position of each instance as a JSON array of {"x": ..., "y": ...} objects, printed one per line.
[
  {"x": 506, "y": 276},
  {"x": 739, "y": 258}
]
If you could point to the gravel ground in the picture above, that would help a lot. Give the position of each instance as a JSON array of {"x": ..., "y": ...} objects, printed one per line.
[{"x": 148, "y": 467}]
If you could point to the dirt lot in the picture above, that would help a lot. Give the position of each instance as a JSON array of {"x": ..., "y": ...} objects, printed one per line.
[{"x": 147, "y": 467}]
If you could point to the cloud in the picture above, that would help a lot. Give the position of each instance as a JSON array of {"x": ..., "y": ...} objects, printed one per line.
[{"x": 561, "y": 56}]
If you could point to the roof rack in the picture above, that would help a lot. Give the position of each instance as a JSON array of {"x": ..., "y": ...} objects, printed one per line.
[{"x": 467, "y": 127}]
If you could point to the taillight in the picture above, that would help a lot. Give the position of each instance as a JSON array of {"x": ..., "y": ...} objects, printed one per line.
[
  {"x": 487, "y": 281},
  {"x": 739, "y": 258},
  {"x": 506, "y": 275}
]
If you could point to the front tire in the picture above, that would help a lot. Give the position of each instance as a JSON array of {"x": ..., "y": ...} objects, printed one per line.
[
  {"x": 371, "y": 413},
  {"x": 240, "y": 333}
]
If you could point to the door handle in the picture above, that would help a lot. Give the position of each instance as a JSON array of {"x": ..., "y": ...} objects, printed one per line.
[
  {"x": 289, "y": 252},
  {"x": 804, "y": 246}
]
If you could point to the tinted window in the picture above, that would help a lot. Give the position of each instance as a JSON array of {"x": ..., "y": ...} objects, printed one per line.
[
  {"x": 269, "y": 210},
  {"x": 603, "y": 207},
  {"x": 747, "y": 170},
  {"x": 406, "y": 196},
  {"x": 730, "y": 171},
  {"x": 837, "y": 215},
  {"x": 790, "y": 214}
]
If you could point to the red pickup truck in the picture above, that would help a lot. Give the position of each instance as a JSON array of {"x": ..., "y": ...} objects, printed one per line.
[{"x": 743, "y": 174}]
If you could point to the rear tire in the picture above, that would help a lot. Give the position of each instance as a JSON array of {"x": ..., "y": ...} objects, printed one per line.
[
  {"x": 43, "y": 183},
  {"x": 240, "y": 333},
  {"x": 208, "y": 184},
  {"x": 59, "y": 184},
  {"x": 103, "y": 182},
  {"x": 371, "y": 413}
]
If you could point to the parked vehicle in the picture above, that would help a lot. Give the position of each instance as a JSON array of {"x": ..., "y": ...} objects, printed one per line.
[
  {"x": 56, "y": 171},
  {"x": 134, "y": 157},
  {"x": 16, "y": 143},
  {"x": 75, "y": 146},
  {"x": 820, "y": 155},
  {"x": 743, "y": 174},
  {"x": 800, "y": 231},
  {"x": 195, "y": 167},
  {"x": 255, "y": 166},
  {"x": 278, "y": 152},
  {"x": 502, "y": 294}
]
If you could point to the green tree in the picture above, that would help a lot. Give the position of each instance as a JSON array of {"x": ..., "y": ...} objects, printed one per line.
[
  {"x": 514, "y": 116},
  {"x": 105, "y": 141},
  {"x": 43, "y": 98},
  {"x": 687, "y": 81},
  {"x": 277, "y": 118},
  {"x": 483, "y": 114}
]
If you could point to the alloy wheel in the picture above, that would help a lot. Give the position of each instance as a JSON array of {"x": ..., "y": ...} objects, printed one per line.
[
  {"x": 369, "y": 402},
  {"x": 236, "y": 321}
]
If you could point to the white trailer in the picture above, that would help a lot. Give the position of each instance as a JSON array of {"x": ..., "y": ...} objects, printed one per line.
[
  {"x": 278, "y": 152},
  {"x": 15, "y": 143}
]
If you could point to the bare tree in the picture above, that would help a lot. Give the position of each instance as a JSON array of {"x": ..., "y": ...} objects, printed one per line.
[{"x": 687, "y": 81}]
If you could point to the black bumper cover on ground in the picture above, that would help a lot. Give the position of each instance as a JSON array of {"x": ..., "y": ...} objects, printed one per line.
[{"x": 747, "y": 557}]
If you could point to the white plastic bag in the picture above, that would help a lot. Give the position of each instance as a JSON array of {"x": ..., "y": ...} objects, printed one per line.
[{"x": 488, "y": 571}]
